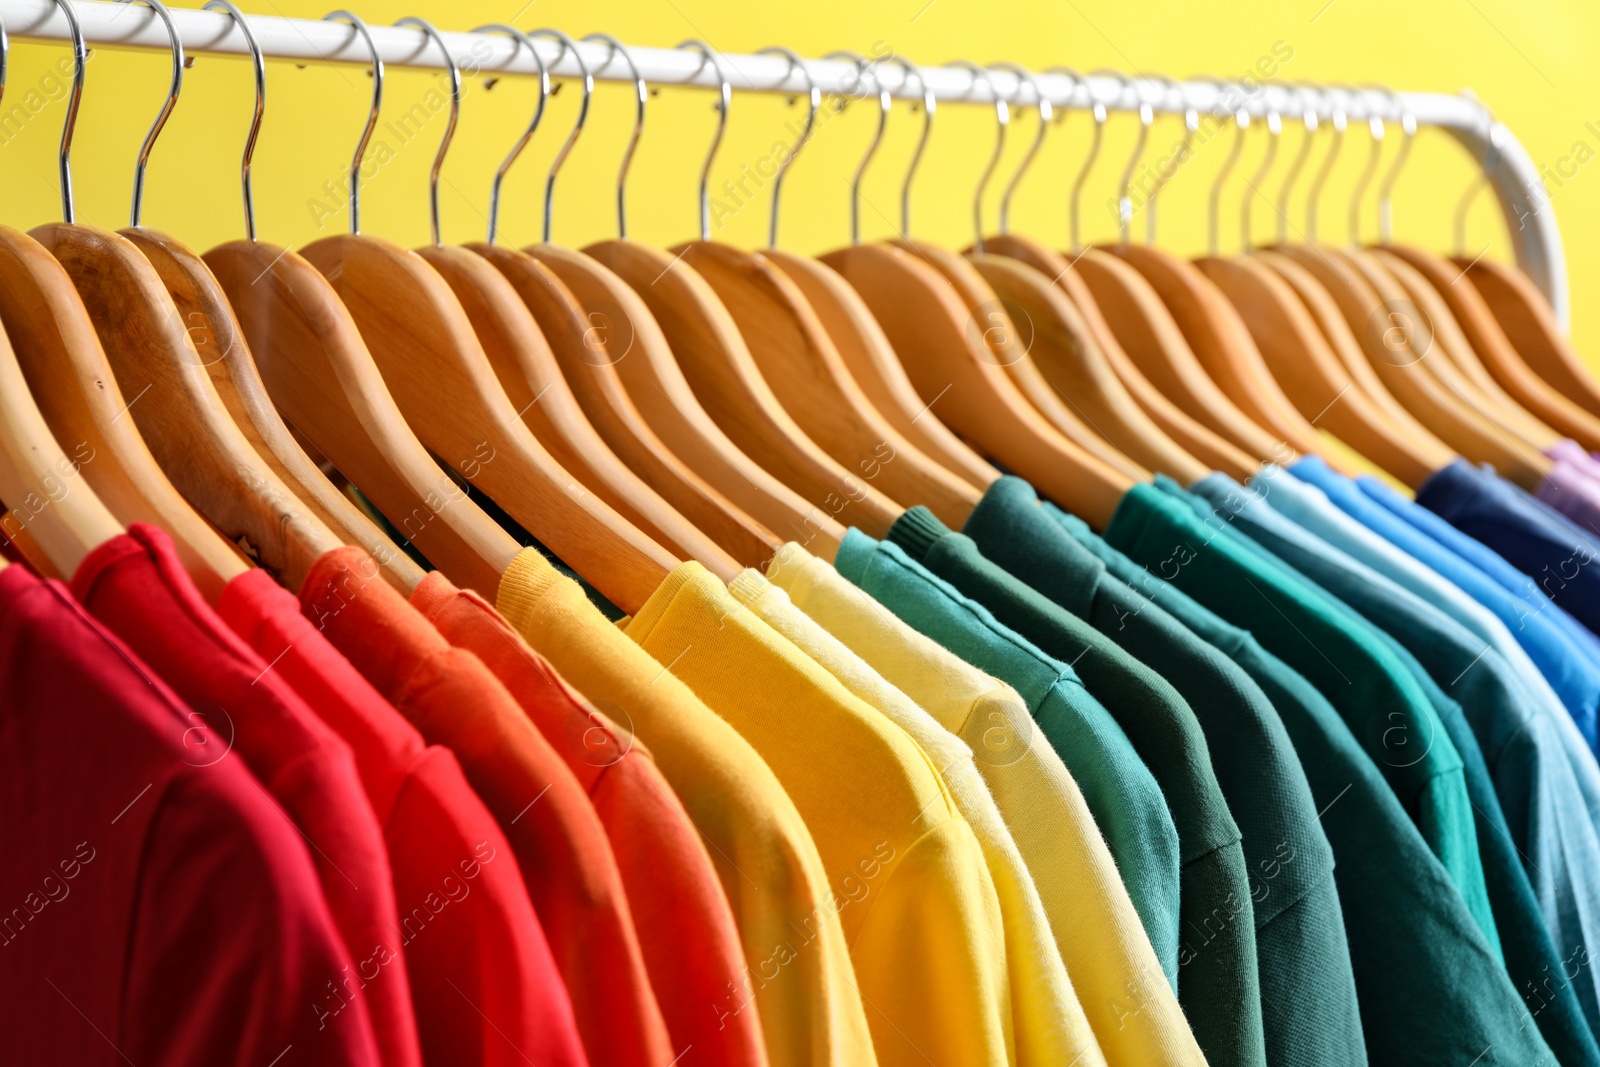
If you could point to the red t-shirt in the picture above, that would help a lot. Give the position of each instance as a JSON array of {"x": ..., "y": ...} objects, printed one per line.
[
  {"x": 155, "y": 905},
  {"x": 486, "y": 988},
  {"x": 577, "y": 891},
  {"x": 136, "y": 587},
  {"x": 686, "y": 927}
]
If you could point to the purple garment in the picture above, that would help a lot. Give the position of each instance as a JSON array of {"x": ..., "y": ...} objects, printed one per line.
[{"x": 1573, "y": 485}]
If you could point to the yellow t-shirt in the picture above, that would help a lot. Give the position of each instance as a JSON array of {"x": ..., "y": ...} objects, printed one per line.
[
  {"x": 800, "y": 979},
  {"x": 918, "y": 906},
  {"x": 1118, "y": 979},
  {"x": 1047, "y": 1019}
]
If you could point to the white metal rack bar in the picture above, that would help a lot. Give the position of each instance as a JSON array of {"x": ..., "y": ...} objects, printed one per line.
[{"x": 1514, "y": 179}]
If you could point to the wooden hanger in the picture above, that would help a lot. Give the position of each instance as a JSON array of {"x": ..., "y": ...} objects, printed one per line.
[
  {"x": 569, "y": 354},
  {"x": 151, "y": 349},
  {"x": 1458, "y": 350},
  {"x": 1530, "y": 324},
  {"x": 795, "y": 355},
  {"x": 718, "y": 364},
  {"x": 1370, "y": 304},
  {"x": 921, "y": 313},
  {"x": 1499, "y": 356},
  {"x": 518, "y": 354},
  {"x": 1071, "y": 361},
  {"x": 655, "y": 383},
  {"x": 1305, "y": 364},
  {"x": 1198, "y": 440},
  {"x": 320, "y": 375},
  {"x": 873, "y": 364},
  {"x": 425, "y": 348},
  {"x": 47, "y": 497},
  {"x": 1007, "y": 344},
  {"x": 76, "y": 391},
  {"x": 1221, "y": 342},
  {"x": 226, "y": 359}
]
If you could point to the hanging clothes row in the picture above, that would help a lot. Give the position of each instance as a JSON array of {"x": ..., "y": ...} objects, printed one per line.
[{"x": 902, "y": 656}]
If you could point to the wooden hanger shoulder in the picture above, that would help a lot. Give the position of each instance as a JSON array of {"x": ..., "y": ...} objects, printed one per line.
[
  {"x": 1530, "y": 324},
  {"x": 511, "y": 341},
  {"x": 715, "y": 359},
  {"x": 76, "y": 391},
  {"x": 1221, "y": 342},
  {"x": 1153, "y": 340},
  {"x": 1457, "y": 350},
  {"x": 1197, "y": 439},
  {"x": 320, "y": 375},
  {"x": 874, "y": 365},
  {"x": 955, "y": 371},
  {"x": 576, "y": 356},
  {"x": 1074, "y": 365},
  {"x": 1368, "y": 304},
  {"x": 656, "y": 384},
  {"x": 1313, "y": 376},
  {"x": 50, "y": 510},
  {"x": 424, "y": 347},
  {"x": 227, "y": 362},
  {"x": 1401, "y": 284},
  {"x": 796, "y": 357},
  {"x": 1498, "y": 355},
  {"x": 1009, "y": 337}
]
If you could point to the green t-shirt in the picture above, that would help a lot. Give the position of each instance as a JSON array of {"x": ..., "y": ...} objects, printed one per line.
[
  {"x": 1218, "y": 984},
  {"x": 1311, "y": 1018},
  {"x": 1531, "y": 955},
  {"x": 1121, "y": 793},
  {"x": 1431, "y": 988}
]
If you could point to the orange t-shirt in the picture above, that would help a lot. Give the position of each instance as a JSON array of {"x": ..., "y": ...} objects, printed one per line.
[
  {"x": 571, "y": 875},
  {"x": 685, "y": 924}
]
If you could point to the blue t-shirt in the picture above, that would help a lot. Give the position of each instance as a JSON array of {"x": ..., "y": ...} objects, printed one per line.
[
  {"x": 1572, "y": 669},
  {"x": 1561, "y": 557}
]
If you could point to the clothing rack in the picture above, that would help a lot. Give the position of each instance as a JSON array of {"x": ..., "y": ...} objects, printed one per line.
[{"x": 1509, "y": 170}]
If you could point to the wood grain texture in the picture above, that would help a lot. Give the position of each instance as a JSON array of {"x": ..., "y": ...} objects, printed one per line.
[
  {"x": 76, "y": 391},
  {"x": 584, "y": 351},
  {"x": 320, "y": 375}
]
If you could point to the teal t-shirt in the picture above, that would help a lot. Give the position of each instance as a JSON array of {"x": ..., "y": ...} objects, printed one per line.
[
  {"x": 1431, "y": 988},
  {"x": 1311, "y": 1018},
  {"x": 1121, "y": 793},
  {"x": 1218, "y": 983},
  {"x": 1531, "y": 956}
]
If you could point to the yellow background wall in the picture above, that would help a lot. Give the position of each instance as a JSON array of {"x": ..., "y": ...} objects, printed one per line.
[{"x": 1531, "y": 63}]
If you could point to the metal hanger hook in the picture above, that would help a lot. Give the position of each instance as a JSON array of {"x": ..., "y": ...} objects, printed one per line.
[
  {"x": 1254, "y": 183},
  {"x": 930, "y": 105},
  {"x": 1046, "y": 112},
  {"x": 521, "y": 40},
  {"x": 1241, "y": 125},
  {"x": 372, "y": 117},
  {"x": 1147, "y": 118},
  {"x": 80, "y": 60},
  {"x": 641, "y": 93},
  {"x": 568, "y": 45},
  {"x": 724, "y": 99},
  {"x": 1493, "y": 153},
  {"x": 258, "y": 61},
  {"x": 1373, "y": 117},
  {"x": 813, "y": 102},
  {"x": 1003, "y": 118},
  {"x": 863, "y": 67},
  {"x": 166, "y": 107},
  {"x": 1314, "y": 193},
  {"x": 1097, "y": 110},
  {"x": 1308, "y": 117},
  {"x": 450, "y": 127},
  {"x": 1191, "y": 123},
  {"x": 1408, "y": 133}
]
